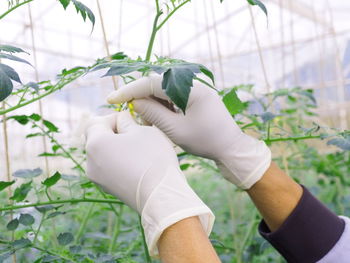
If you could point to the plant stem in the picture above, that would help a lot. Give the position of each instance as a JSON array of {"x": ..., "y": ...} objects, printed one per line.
[
  {"x": 68, "y": 201},
  {"x": 153, "y": 34},
  {"x": 147, "y": 256},
  {"x": 116, "y": 231},
  {"x": 171, "y": 13},
  {"x": 39, "y": 227},
  {"x": 292, "y": 138},
  {"x": 85, "y": 220},
  {"x": 58, "y": 86},
  {"x": 13, "y": 8}
]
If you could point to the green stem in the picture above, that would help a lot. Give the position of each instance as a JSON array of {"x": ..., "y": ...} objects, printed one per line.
[
  {"x": 53, "y": 253},
  {"x": 116, "y": 231},
  {"x": 56, "y": 202},
  {"x": 147, "y": 256},
  {"x": 293, "y": 138},
  {"x": 58, "y": 86},
  {"x": 206, "y": 83},
  {"x": 13, "y": 8},
  {"x": 153, "y": 35},
  {"x": 85, "y": 220},
  {"x": 171, "y": 13},
  {"x": 39, "y": 227}
]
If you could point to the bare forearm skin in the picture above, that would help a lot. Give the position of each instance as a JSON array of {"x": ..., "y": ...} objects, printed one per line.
[
  {"x": 186, "y": 242},
  {"x": 275, "y": 195}
]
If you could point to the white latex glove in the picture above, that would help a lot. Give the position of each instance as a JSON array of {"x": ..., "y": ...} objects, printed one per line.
[
  {"x": 207, "y": 129},
  {"x": 139, "y": 165}
]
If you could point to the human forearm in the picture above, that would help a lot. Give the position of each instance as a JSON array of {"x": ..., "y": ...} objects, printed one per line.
[
  {"x": 186, "y": 242},
  {"x": 275, "y": 195}
]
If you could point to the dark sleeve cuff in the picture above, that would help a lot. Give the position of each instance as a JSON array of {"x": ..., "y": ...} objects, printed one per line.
[{"x": 309, "y": 232}]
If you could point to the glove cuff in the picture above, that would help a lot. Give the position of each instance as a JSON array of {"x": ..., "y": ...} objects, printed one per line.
[
  {"x": 168, "y": 204},
  {"x": 246, "y": 163}
]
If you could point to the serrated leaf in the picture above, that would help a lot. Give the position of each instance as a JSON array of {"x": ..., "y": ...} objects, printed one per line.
[
  {"x": 10, "y": 72},
  {"x": 13, "y": 224},
  {"x": 177, "y": 83},
  {"x": 21, "y": 192},
  {"x": 260, "y": 4},
  {"x": 124, "y": 68},
  {"x": 14, "y": 58},
  {"x": 21, "y": 119},
  {"x": 27, "y": 173},
  {"x": 233, "y": 104},
  {"x": 64, "y": 3},
  {"x": 342, "y": 143},
  {"x": 84, "y": 11},
  {"x": 65, "y": 238},
  {"x": 26, "y": 219},
  {"x": 52, "y": 180},
  {"x": 4, "y": 185},
  {"x": 52, "y": 127},
  {"x": 6, "y": 85},
  {"x": 11, "y": 49}
]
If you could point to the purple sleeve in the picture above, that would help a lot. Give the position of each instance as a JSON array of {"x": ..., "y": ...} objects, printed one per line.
[{"x": 309, "y": 232}]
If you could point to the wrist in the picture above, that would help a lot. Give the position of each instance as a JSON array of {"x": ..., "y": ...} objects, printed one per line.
[{"x": 245, "y": 162}]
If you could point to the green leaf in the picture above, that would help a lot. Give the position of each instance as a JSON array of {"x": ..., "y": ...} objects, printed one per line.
[
  {"x": 13, "y": 224},
  {"x": 52, "y": 127},
  {"x": 27, "y": 173},
  {"x": 233, "y": 104},
  {"x": 34, "y": 135},
  {"x": 260, "y": 4},
  {"x": 65, "y": 238},
  {"x": 118, "y": 56},
  {"x": 14, "y": 58},
  {"x": 4, "y": 185},
  {"x": 64, "y": 3},
  {"x": 11, "y": 49},
  {"x": 21, "y": 119},
  {"x": 121, "y": 68},
  {"x": 84, "y": 11},
  {"x": 75, "y": 249},
  {"x": 52, "y": 180},
  {"x": 10, "y": 72},
  {"x": 54, "y": 214},
  {"x": 185, "y": 166},
  {"x": 32, "y": 85},
  {"x": 6, "y": 85},
  {"x": 35, "y": 117},
  {"x": 177, "y": 83},
  {"x": 21, "y": 243},
  {"x": 44, "y": 208},
  {"x": 26, "y": 219},
  {"x": 21, "y": 192},
  {"x": 207, "y": 72},
  {"x": 342, "y": 143}
]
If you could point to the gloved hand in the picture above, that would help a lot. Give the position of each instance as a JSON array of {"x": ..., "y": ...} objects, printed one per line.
[
  {"x": 207, "y": 129},
  {"x": 139, "y": 165}
]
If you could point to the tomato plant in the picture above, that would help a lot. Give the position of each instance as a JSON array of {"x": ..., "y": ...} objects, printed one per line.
[{"x": 51, "y": 216}]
